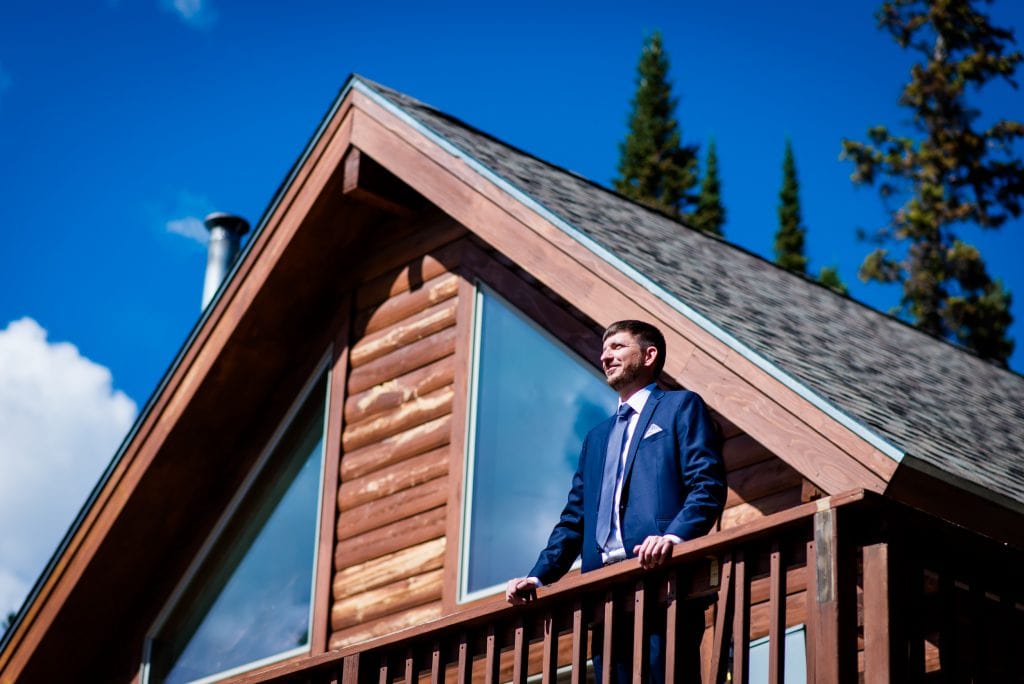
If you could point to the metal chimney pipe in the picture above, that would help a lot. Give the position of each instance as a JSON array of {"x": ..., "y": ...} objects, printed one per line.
[{"x": 226, "y": 231}]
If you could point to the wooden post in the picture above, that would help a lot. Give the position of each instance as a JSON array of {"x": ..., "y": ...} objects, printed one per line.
[
  {"x": 721, "y": 640},
  {"x": 877, "y": 643},
  {"x": 350, "y": 669},
  {"x": 671, "y": 625},
  {"x": 465, "y": 672},
  {"x": 550, "y": 664},
  {"x": 639, "y": 642},
  {"x": 492, "y": 657},
  {"x": 776, "y": 617},
  {"x": 825, "y": 621},
  {"x": 520, "y": 653},
  {"x": 741, "y": 621},
  {"x": 579, "y": 645},
  {"x": 606, "y": 647}
]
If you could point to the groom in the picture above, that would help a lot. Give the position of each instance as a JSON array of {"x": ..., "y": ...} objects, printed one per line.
[{"x": 649, "y": 477}]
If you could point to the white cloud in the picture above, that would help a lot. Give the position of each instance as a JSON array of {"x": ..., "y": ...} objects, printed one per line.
[
  {"x": 195, "y": 13},
  {"x": 60, "y": 423}
]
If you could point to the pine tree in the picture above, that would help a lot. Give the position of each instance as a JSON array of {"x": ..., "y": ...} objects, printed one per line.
[
  {"x": 710, "y": 214},
  {"x": 829, "y": 277},
  {"x": 654, "y": 167},
  {"x": 946, "y": 175},
  {"x": 789, "y": 239}
]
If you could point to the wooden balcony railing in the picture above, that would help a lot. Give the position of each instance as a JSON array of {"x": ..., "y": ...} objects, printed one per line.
[{"x": 851, "y": 571}]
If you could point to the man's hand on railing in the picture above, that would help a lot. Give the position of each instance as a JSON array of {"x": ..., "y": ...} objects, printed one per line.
[
  {"x": 521, "y": 590},
  {"x": 655, "y": 550}
]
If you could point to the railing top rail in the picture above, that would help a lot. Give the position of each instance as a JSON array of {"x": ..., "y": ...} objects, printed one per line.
[{"x": 593, "y": 581}]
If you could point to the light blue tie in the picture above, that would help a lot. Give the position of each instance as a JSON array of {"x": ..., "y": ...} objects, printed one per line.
[{"x": 612, "y": 473}]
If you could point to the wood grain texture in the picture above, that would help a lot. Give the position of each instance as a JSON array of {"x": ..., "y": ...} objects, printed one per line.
[
  {"x": 385, "y": 625},
  {"x": 412, "y": 329},
  {"x": 405, "y": 416},
  {"x": 381, "y": 483},
  {"x": 389, "y": 509},
  {"x": 741, "y": 450},
  {"x": 396, "y": 448},
  {"x": 388, "y": 569},
  {"x": 392, "y": 394},
  {"x": 409, "y": 276},
  {"x": 407, "y": 304},
  {"x": 743, "y": 513},
  {"x": 375, "y": 603},
  {"x": 402, "y": 361},
  {"x": 760, "y": 480},
  {"x": 390, "y": 538}
]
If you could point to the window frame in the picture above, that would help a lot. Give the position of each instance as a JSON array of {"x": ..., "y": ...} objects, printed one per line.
[
  {"x": 322, "y": 372},
  {"x": 478, "y": 288}
]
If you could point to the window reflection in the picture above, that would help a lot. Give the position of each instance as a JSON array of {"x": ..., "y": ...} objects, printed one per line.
[
  {"x": 251, "y": 598},
  {"x": 534, "y": 401}
]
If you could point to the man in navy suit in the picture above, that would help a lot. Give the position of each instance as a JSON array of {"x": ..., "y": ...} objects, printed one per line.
[{"x": 649, "y": 477}]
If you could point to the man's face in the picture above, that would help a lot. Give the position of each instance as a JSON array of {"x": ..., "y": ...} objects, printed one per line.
[{"x": 626, "y": 364}]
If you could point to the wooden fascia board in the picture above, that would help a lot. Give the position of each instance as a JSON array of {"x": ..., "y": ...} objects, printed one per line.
[
  {"x": 195, "y": 363},
  {"x": 824, "y": 451}
]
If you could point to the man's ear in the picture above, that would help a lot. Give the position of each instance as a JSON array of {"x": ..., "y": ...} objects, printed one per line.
[{"x": 650, "y": 355}]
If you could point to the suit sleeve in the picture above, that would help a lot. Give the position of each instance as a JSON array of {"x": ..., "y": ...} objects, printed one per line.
[
  {"x": 702, "y": 470},
  {"x": 566, "y": 538}
]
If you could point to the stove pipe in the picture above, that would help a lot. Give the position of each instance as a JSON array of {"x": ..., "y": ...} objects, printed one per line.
[{"x": 226, "y": 231}]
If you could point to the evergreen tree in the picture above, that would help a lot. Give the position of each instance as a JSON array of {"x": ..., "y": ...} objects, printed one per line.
[
  {"x": 829, "y": 277},
  {"x": 654, "y": 167},
  {"x": 710, "y": 214},
  {"x": 948, "y": 175},
  {"x": 789, "y": 239}
]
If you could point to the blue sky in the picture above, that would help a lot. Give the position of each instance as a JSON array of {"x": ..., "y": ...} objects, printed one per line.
[{"x": 122, "y": 122}]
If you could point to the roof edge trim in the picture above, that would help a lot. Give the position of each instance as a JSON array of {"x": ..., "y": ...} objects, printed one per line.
[{"x": 858, "y": 428}]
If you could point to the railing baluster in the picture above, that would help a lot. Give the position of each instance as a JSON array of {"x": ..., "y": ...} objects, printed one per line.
[
  {"x": 671, "y": 624},
  {"x": 811, "y": 604},
  {"x": 776, "y": 617},
  {"x": 719, "y": 649},
  {"x": 521, "y": 650},
  {"x": 410, "y": 667},
  {"x": 606, "y": 647},
  {"x": 579, "y": 644},
  {"x": 741, "y": 622},
  {"x": 436, "y": 669},
  {"x": 350, "y": 669},
  {"x": 465, "y": 664},
  {"x": 492, "y": 659},
  {"x": 550, "y": 664},
  {"x": 639, "y": 642}
]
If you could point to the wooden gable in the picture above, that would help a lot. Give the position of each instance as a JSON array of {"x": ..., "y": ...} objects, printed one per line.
[{"x": 371, "y": 250}]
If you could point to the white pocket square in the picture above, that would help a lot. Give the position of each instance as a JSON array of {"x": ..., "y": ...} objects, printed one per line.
[{"x": 652, "y": 430}]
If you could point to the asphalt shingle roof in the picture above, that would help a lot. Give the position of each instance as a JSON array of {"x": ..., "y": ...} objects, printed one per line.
[{"x": 928, "y": 398}]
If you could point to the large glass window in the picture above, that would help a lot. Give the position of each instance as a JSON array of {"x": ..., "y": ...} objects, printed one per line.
[
  {"x": 249, "y": 600},
  {"x": 533, "y": 401}
]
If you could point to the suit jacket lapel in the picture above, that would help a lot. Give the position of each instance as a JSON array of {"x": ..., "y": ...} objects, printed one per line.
[
  {"x": 598, "y": 448},
  {"x": 641, "y": 427}
]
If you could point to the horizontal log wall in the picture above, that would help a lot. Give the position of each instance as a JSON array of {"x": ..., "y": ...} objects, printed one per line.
[{"x": 396, "y": 443}]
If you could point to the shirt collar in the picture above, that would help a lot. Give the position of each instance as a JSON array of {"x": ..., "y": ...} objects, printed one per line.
[{"x": 639, "y": 398}]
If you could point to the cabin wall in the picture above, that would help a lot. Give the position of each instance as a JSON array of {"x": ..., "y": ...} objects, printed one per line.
[{"x": 399, "y": 479}]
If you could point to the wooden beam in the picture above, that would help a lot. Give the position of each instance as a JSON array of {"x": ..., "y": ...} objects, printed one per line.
[{"x": 367, "y": 181}]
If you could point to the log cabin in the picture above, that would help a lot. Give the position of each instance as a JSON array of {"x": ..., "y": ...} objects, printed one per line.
[{"x": 325, "y": 485}]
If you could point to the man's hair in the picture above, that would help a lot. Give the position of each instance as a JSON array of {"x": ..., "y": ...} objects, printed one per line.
[{"x": 646, "y": 334}]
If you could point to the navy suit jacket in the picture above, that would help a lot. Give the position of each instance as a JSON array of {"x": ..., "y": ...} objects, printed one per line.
[{"x": 674, "y": 483}]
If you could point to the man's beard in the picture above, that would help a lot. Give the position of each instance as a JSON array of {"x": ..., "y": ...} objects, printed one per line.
[{"x": 627, "y": 376}]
